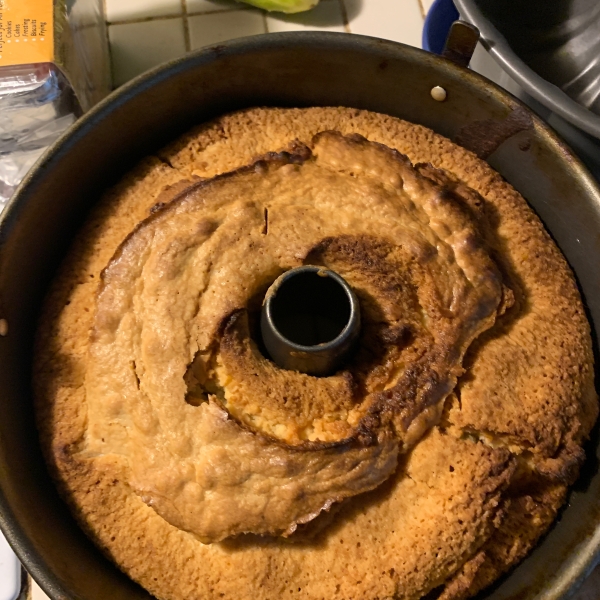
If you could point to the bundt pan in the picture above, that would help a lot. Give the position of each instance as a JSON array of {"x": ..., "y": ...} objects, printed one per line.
[{"x": 293, "y": 69}]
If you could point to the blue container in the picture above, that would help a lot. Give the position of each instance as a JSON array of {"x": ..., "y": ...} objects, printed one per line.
[{"x": 437, "y": 24}]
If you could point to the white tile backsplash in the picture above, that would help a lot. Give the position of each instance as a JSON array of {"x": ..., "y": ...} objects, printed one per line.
[
  {"x": 327, "y": 16},
  {"x": 121, "y": 10},
  {"x": 213, "y": 28},
  {"x": 137, "y": 47},
  {"x": 398, "y": 20},
  {"x": 144, "y": 33}
]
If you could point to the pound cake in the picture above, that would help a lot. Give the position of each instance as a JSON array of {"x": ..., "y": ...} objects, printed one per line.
[{"x": 426, "y": 466}]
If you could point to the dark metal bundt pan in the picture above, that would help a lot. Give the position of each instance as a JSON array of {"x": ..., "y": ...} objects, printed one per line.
[{"x": 295, "y": 69}]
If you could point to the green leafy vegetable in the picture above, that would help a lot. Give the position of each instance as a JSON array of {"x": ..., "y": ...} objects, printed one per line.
[{"x": 286, "y": 6}]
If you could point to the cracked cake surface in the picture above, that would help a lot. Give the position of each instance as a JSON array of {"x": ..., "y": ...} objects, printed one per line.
[{"x": 429, "y": 464}]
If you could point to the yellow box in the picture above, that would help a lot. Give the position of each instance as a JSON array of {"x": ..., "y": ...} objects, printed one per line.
[
  {"x": 71, "y": 34},
  {"x": 26, "y": 32}
]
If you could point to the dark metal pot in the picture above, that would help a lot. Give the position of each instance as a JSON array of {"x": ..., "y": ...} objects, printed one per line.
[{"x": 297, "y": 69}]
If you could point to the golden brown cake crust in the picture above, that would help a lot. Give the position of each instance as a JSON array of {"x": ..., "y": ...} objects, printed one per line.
[
  {"x": 175, "y": 304},
  {"x": 450, "y": 517}
]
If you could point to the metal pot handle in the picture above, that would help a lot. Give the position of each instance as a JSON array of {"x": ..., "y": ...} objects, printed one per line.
[{"x": 460, "y": 43}]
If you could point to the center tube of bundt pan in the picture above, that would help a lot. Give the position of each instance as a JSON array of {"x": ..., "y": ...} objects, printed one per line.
[{"x": 310, "y": 320}]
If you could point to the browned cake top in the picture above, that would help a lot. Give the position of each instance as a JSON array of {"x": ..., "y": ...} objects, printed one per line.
[
  {"x": 444, "y": 262},
  {"x": 172, "y": 320}
]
